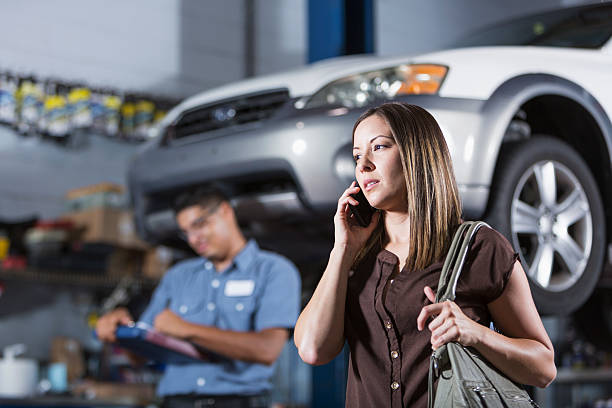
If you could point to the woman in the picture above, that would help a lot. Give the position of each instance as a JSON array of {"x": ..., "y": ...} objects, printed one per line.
[{"x": 378, "y": 289}]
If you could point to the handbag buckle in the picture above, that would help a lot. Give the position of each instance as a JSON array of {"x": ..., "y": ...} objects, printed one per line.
[{"x": 436, "y": 366}]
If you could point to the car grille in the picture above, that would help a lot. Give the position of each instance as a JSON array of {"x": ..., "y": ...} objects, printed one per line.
[
  {"x": 227, "y": 113},
  {"x": 258, "y": 183}
]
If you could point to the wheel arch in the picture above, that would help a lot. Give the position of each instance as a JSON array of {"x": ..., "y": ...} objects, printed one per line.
[{"x": 556, "y": 107}]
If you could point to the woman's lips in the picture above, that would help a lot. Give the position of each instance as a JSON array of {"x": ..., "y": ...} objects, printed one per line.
[{"x": 370, "y": 184}]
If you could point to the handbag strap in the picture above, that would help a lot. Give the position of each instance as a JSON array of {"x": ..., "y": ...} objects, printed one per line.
[
  {"x": 451, "y": 270},
  {"x": 448, "y": 284}
]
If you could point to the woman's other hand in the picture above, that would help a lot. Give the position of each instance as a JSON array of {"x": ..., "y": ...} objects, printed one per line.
[
  {"x": 348, "y": 233},
  {"x": 449, "y": 323}
]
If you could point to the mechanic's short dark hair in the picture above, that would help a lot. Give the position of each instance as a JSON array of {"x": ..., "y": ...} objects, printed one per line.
[{"x": 208, "y": 197}]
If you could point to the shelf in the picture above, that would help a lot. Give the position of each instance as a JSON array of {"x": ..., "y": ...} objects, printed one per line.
[
  {"x": 70, "y": 278},
  {"x": 565, "y": 375}
]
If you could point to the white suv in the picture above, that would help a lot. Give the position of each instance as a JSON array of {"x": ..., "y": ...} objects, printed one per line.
[{"x": 525, "y": 108}]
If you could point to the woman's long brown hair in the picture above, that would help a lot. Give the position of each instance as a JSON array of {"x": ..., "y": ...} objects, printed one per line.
[{"x": 434, "y": 206}]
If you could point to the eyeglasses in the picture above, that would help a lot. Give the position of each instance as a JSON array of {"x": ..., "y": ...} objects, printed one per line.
[{"x": 197, "y": 225}]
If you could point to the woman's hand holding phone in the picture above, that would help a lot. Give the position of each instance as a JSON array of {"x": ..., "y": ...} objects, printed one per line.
[
  {"x": 348, "y": 232},
  {"x": 363, "y": 211}
]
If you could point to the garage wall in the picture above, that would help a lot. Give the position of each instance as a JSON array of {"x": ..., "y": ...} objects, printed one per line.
[
  {"x": 211, "y": 42},
  {"x": 131, "y": 44},
  {"x": 281, "y": 35},
  {"x": 215, "y": 38},
  {"x": 174, "y": 47},
  {"x": 35, "y": 174},
  {"x": 425, "y": 25}
]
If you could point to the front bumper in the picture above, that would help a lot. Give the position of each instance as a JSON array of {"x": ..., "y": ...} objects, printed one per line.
[{"x": 294, "y": 165}]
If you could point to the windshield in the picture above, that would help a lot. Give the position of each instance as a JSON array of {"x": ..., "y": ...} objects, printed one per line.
[{"x": 577, "y": 27}]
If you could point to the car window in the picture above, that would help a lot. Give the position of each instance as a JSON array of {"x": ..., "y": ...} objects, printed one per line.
[{"x": 577, "y": 27}]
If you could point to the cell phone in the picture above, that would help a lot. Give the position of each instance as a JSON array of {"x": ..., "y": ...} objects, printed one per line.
[{"x": 363, "y": 211}]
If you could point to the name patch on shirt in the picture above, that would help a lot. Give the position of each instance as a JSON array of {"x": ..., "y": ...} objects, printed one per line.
[{"x": 239, "y": 287}]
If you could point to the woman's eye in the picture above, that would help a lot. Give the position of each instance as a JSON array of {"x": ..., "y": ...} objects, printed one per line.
[
  {"x": 356, "y": 157},
  {"x": 378, "y": 147}
]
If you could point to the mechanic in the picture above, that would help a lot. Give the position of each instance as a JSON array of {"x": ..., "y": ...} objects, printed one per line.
[{"x": 235, "y": 299}]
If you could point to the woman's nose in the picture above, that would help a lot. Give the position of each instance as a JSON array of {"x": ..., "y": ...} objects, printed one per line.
[{"x": 365, "y": 164}]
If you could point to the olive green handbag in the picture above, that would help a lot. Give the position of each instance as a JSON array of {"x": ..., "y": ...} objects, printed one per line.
[{"x": 465, "y": 378}]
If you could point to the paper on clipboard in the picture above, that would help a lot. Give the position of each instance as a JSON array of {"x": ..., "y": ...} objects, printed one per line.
[{"x": 150, "y": 343}]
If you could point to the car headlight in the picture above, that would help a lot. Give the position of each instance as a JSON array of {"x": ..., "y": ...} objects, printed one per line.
[{"x": 361, "y": 89}]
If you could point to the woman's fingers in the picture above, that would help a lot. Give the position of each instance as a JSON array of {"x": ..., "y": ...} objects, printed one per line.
[
  {"x": 344, "y": 201},
  {"x": 427, "y": 312},
  {"x": 441, "y": 329},
  {"x": 346, "y": 197},
  {"x": 438, "y": 311},
  {"x": 430, "y": 294},
  {"x": 442, "y": 314},
  {"x": 449, "y": 324},
  {"x": 350, "y": 200},
  {"x": 347, "y": 230},
  {"x": 422, "y": 318},
  {"x": 452, "y": 334}
]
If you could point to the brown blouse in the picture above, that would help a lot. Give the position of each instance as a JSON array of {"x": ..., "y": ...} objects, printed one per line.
[{"x": 389, "y": 358}]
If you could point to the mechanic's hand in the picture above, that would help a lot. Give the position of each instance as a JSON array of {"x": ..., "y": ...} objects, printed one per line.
[
  {"x": 107, "y": 324},
  {"x": 346, "y": 230},
  {"x": 170, "y": 323},
  {"x": 449, "y": 323}
]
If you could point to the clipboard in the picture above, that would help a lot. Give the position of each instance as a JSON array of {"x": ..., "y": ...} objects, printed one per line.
[{"x": 161, "y": 348}]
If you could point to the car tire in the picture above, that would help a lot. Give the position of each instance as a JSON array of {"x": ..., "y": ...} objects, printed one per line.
[{"x": 546, "y": 202}]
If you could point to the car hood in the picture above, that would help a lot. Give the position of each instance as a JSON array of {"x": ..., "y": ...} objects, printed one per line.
[
  {"x": 475, "y": 72},
  {"x": 299, "y": 82},
  {"x": 302, "y": 81}
]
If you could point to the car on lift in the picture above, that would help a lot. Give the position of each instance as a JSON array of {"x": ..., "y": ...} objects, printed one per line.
[{"x": 525, "y": 107}]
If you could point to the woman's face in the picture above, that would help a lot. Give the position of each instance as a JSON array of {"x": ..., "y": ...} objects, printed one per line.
[{"x": 378, "y": 165}]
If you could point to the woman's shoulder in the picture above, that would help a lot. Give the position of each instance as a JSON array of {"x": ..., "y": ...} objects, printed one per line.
[
  {"x": 488, "y": 238},
  {"x": 488, "y": 266}
]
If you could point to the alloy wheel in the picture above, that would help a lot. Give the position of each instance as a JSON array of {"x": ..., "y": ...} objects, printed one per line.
[{"x": 552, "y": 225}]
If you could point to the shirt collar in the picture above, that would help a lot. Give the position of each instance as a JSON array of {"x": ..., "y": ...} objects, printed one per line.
[
  {"x": 389, "y": 257},
  {"x": 246, "y": 255},
  {"x": 242, "y": 260}
]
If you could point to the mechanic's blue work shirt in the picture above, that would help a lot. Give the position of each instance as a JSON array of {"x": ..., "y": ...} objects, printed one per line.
[{"x": 259, "y": 290}]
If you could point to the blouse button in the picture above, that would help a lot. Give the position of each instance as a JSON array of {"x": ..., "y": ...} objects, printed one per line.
[
  {"x": 394, "y": 385},
  {"x": 394, "y": 354},
  {"x": 388, "y": 324}
]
